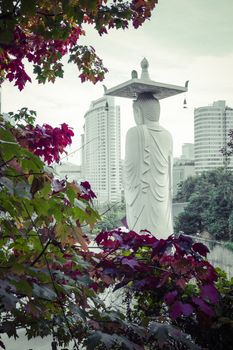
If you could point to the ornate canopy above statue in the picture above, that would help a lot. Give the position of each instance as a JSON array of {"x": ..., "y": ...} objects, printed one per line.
[{"x": 135, "y": 86}]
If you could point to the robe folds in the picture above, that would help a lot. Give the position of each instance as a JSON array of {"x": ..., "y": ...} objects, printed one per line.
[{"x": 148, "y": 179}]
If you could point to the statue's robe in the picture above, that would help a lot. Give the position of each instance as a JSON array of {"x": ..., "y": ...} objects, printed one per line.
[{"x": 148, "y": 179}]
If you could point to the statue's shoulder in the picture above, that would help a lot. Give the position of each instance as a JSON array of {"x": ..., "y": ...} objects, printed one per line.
[
  {"x": 134, "y": 131},
  {"x": 166, "y": 132}
]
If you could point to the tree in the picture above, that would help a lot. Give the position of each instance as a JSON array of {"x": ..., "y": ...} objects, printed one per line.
[
  {"x": 185, "y": 189},
  {"x": 46, "y": 271},
  {"x": 210, "y": 204},
  {"x": 112, "y": 217},
  {"x": 43, "y": 31}
]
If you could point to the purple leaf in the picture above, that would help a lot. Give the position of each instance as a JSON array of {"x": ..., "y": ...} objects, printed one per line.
[
  {"x": 159, "y": 247},
  {"x": 187, "y": 309},
  {"x": 147, "y": 283},
  {"x": 170, "y": 297},
  {"x": 178, "y": 309},
  {"x": 209, "y": 293},
  {"x": 183, "y": 243},
  {"x": 130, "y": 261},
  {"x": 203, "y": 306},
  {"x": 200, "y": 248}
]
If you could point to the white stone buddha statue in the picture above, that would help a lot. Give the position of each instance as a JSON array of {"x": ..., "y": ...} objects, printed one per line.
[{"x": 148, "y": 170}]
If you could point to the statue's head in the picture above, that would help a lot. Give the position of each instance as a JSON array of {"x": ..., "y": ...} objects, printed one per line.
[{"x": 146, "y": 108}]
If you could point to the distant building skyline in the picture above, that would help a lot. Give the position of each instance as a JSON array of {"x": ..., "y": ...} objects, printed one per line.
[
  {"x": 187, "y": 151},
  {"x": 211, "y": 127},
  {"x": 69, "y": 170},
  {"x": 101, "y": 149},
  {"x": 183, "y": 166}
]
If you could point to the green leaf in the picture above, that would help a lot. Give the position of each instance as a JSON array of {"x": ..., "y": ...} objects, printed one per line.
[
  {"x": 41, "y": 206},
  {"x": 77, "y": 310},
  {"x": 78, "y": 214},
  {"x": 44, "y": 192},
  {"x": 71, "y": 194},
  {"x": 61, "y": 231},
  {"x": 6, "y": 36},
  {"x": 43, "y": 292},
  {"x": 57, "y": 213},
  {"x": 23, "y": 287},
  {"x": 5, "y": 135},
  {"x": 28, "y": 7},
  {"x": 8, "y": 184},
  {"x": 22, "y": 189}
]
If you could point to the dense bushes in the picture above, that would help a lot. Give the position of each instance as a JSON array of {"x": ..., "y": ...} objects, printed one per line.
[{"x": 210, "y": 207}]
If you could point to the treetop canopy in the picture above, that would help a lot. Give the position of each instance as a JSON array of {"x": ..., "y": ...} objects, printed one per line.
[{"x": 43, "y": 31}]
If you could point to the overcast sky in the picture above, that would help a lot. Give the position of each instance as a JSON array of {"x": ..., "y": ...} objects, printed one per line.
[{"x": 184, "y": 40}]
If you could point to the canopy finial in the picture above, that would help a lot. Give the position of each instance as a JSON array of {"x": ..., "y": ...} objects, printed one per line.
[{"x": 144, "y": 66}]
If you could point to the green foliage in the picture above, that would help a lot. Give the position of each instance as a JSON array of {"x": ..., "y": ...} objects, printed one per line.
[
  {"x": 49, "y": 280},
  {"x": 111, "y": 218},
  {"x": 24, "y": 115},
  {"x": 210, "y": 207},
  {"x": 229, "y": 245},
  {"x": 44, "y": 279}
]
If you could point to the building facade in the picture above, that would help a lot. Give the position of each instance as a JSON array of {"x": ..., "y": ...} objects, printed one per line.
[
  {"x": 101, "y": 150},
  {"x": 182, "y": 169},
  {"x": 68, "y": 170},
  {"x": 211, "y": 127},
  {"x": 188, "y": 151}
]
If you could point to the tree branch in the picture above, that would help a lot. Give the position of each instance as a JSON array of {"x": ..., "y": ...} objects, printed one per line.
[
  {"x": 25, "y": 174},
  {"x": 49, "y": 14},
  {"x": 41, "y": 253},
  {"x": 52, "y": 280}
]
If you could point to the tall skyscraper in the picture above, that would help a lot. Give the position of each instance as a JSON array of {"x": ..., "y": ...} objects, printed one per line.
[
  {"x": 211, "y": 127},
  {"x": 101, "y": 149}
]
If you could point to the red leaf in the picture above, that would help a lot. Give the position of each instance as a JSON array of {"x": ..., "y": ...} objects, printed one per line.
[
  {"x": 200, "y": 248},
  {"x": 181, "y": 283}
]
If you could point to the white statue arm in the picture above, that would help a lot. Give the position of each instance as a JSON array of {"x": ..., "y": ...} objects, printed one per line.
[{"x": 132, "y": 162}]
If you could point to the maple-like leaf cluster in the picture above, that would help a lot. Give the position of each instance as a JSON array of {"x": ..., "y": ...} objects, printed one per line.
[
  {"x": 45, "y": 55},
  {"x": 46, "y": 141},
  {"x": 44, "y": 32},
  {"x": 162, "y": 269}
]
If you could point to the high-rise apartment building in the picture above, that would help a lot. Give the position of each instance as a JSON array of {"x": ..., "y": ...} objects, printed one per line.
[
  {"x": 211, "y": 127},
  {"x": 101, "y": 149}
]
